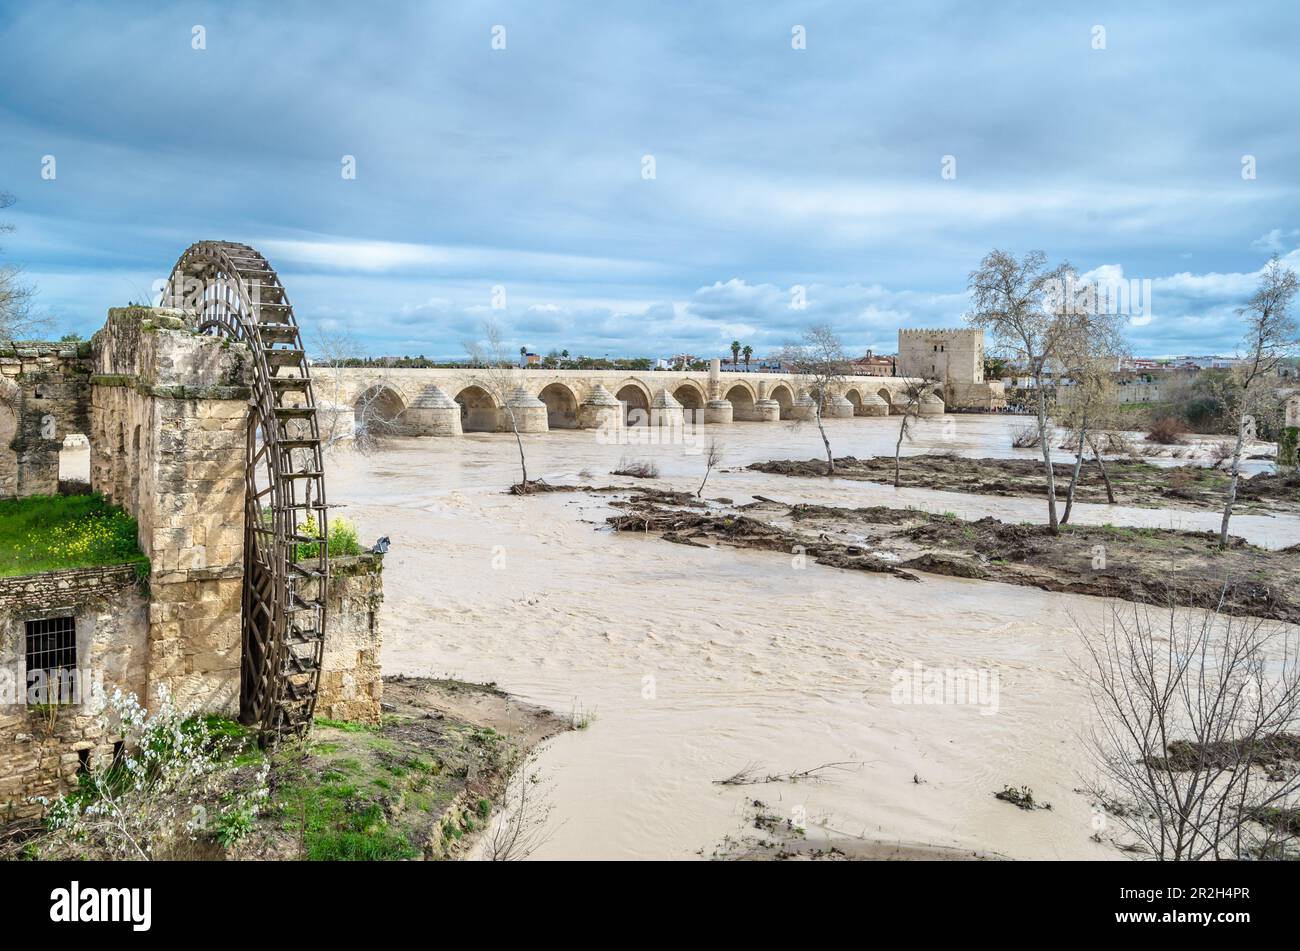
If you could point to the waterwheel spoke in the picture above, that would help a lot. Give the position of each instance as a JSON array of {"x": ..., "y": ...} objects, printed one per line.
[{"x": 241, "y": 297}]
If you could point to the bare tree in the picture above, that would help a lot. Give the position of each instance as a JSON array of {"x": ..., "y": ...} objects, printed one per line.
[
  {"x": 1196, "y": 713},
  {"x": 1019, "y": 302},
  {"x": 819, "y": 355},
  {"x": 712, "y": 456},
  {"x": 524, "y": 825},
  {"x": 16, "y": 318},
  {"x": 372, "y": 415},
  {"x": 914, "y": 393},
  {"x": 1093, "y": 343},
  {"x": 500, "y": 379},
  {"x": 1270, "y": 339}
]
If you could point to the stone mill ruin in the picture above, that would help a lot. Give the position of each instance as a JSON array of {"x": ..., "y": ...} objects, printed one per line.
[{"x": 201, "y": 425}]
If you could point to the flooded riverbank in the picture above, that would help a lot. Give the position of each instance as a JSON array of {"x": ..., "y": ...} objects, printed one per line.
[{"x": 697, "y": 662}]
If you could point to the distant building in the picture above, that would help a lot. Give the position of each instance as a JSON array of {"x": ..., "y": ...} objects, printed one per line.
[
  {"x": 954, "y": 355},
  {"x": 1178, "y": 363},
  {"x": 872, "y": 365},
  {"x": 530, "y": 360}
]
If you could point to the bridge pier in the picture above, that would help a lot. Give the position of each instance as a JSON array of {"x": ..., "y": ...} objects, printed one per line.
[
  {"x": 717, "y": 411},
  {"x": 931, "y": 405},
  {"x": 871, "y": 405},
  {"x": 432, "y": 413},
  {"x": 600, "y": 410},
  {"x": 838, "y": 407},
  {"x": 666, "y": 411},
  {"x": 767, "y": 411},
  {"x": 529, "y": 413},
  {"x": 804, "y": 408}
]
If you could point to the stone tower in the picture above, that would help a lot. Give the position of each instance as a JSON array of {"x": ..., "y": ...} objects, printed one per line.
[{"x": 954, "y": 355}]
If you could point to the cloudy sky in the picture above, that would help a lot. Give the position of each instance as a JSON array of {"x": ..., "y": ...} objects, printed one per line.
[{"x": 773, "y": 167}]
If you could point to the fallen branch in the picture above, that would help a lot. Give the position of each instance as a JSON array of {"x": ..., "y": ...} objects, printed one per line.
[{"x": 749, "y": 774}]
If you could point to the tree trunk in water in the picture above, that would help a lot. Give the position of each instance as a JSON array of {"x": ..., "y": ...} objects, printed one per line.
[
  {"x": 1232, "y": 482},
  {"x": 830, "y": 459},
  {"x": 1052, "y": 522},
  {"x": 898, "y": 446},
  {"x": 1101, "y": 464},
  {"x": 700, "y": 490},
  {"x": 523, "y": 465},
  {"x": 1074, "y": 476}
]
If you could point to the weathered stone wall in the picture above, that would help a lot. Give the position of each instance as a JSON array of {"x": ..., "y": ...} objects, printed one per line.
[
  {"x": 954, "y": 354},
  {"x": 47, "y": 398},
  {"x": 169, "y": 423},
  {"x": 40, "y": 743},
  {"x": 351, "y": 682}
]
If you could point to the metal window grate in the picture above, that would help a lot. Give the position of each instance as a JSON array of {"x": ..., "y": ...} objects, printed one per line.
[{"x": 52, "y": 650}]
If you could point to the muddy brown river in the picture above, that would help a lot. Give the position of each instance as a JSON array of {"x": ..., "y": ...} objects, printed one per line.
[{"x": 699, "y": 662}]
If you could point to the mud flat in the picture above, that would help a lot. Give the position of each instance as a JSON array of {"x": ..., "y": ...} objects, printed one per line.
[
  {"x": 1133, "y": 482},
  {"x": 1150, "y": 565},
  {"x": 699, "y": 660}
]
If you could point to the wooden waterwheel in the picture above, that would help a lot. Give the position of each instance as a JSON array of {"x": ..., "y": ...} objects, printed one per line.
[{"x": 232, "y": 291}]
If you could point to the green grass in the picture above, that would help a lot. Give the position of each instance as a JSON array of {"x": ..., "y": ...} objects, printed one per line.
[
  {"x": 53, "y": 532},
  {"x": 347, "y": 726},
  {"x": 342, "y": 540}
]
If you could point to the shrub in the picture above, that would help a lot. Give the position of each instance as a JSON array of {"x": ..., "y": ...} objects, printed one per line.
[
  {"x": 342, "y": 540},
  {"x": 1168, "y": 431},
  {"x": 1026, "y": 436},
  {"x": 640, "y": 469},
  {"x": 167, "y": 792}
]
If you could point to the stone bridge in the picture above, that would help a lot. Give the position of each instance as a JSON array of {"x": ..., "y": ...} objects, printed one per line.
[{"x": 447, "y": 402}]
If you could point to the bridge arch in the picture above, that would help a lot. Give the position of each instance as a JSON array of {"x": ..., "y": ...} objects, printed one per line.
[
  {"x": 887, "y": 396},
  {"x": 741, "y": 397},
  {"x": 635, "y": 397},
  {"x": 561, "y": 405},
  {"x": 376, "y": 408},
  {"x": 690, "y": 394},
  {"x": 479, "y": 411},
  {"x": 854, "y": 396},
  {"x": 782, "y": 393}
]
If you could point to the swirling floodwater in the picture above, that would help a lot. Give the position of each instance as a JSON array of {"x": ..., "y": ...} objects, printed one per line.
[{"x": 698, "y": 662}]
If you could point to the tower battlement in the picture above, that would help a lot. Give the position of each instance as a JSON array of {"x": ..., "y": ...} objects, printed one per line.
[{"x": 954, "y": 355}]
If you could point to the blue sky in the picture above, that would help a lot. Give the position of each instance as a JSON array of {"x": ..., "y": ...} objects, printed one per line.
[{"x": 774, "y": 167}]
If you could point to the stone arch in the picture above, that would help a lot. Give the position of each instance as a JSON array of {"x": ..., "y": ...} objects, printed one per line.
[
  {"x": 690, "y": 395},
  {"x": 479, "y": 412},
  {"x": 377, "y": 409},
  {"x": 74, "y": 464},
  {"x": 854, "y": 396},
  {"x": 741, "y": 398},
  {"x": 636, "y": 401},
  {"x": 888, "y": 397},
  {"x": 783, "y": 394},
  {"x": 743, "y": 387},
  {"x": 561, "y": 405}
]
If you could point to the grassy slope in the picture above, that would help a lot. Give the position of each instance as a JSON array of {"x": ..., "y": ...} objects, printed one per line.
[{"x": 49, "y": 533}]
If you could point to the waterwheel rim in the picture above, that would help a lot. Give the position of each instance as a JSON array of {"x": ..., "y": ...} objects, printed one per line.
[{"x": 231, "y": 290}]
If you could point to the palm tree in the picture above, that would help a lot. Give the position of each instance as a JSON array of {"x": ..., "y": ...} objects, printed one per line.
[
  {"x": 735, "y": 353},
  {"x": 748, "y": 352}
]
